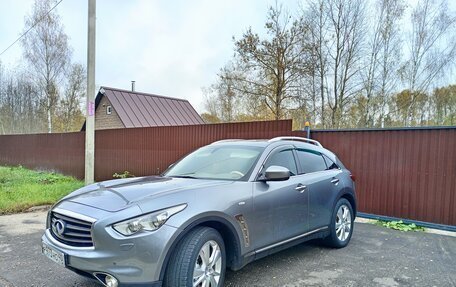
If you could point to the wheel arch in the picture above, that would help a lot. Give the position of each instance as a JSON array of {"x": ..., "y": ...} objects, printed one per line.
[
  {"x": 226, "y": 229},
  {"x": 351, "y": 198}
]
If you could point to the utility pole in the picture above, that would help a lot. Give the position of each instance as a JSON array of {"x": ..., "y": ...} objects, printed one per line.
[{"x": 90, "y": 113}]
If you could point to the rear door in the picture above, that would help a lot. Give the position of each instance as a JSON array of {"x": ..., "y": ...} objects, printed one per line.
[{"x": 323, "y": 183}]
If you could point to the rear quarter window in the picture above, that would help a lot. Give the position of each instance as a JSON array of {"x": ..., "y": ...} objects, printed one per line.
[{"x": 329, "y": 163}]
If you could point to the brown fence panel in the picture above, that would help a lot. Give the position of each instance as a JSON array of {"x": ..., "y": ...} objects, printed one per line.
[
  {"x": 141, "y": 151},
  {"x": 58, "y": 152},
  {"x": 145, "y": 151},
  {"x": 400, "y": 173}
]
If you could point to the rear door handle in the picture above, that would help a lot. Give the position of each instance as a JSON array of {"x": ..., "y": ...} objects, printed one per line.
[
  {"x": 301, "y": 188},
  {"x": 335, "y": 181}
]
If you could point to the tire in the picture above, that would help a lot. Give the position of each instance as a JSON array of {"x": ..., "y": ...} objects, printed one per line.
[
  {"x": 341, "y": 233},
  {"x": 188, "y": 260}
]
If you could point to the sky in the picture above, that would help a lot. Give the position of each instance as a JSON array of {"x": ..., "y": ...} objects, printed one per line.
[{"x": 171, "y": 48}]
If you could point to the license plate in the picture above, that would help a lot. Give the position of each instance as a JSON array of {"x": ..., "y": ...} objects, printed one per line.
[{"x": 56, "y": 256}]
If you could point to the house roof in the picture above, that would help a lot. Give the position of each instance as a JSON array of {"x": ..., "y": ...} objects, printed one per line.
[{"x": 137, "y": 109}]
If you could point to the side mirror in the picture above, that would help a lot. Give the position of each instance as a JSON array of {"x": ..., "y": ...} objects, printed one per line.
[{"x": 276, "y": 173}]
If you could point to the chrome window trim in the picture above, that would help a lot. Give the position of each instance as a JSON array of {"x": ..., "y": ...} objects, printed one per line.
[{"x": 320, "y": 171}]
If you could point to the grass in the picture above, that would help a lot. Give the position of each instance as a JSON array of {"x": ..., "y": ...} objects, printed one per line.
[{"x": 22, "y": 188}]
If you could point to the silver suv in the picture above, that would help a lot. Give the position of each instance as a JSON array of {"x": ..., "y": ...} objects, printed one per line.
[{"x": 222, "y": 206}]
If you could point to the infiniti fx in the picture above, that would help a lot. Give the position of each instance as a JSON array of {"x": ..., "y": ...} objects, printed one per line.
[{"x": 222, "y": 206}]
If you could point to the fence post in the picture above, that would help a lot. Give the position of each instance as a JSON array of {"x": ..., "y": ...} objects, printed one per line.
[{"x": 307, "y": 129}]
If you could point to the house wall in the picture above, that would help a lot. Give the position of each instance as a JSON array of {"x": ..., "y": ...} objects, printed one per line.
[{"x": 104, "y": 121}]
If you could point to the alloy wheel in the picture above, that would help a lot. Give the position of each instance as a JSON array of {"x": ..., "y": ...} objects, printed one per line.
[
  {"x": 343, "y": 223},
  {"x": 208, "y": 265}
]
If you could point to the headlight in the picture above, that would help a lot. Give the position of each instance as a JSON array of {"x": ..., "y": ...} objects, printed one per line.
[{"x": 149, "y": 222}]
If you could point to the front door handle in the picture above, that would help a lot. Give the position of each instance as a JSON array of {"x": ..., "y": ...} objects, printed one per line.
[
  {"x": 301, "y": 188},
  {"x": 335, "y": 181}
]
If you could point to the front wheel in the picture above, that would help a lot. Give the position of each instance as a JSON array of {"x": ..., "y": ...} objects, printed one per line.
[
  {"x": 341, "y": 228},
  {"x": 198, "y": 261}
]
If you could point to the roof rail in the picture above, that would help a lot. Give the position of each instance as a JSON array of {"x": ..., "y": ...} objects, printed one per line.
[{"x": 314, "y": 142}]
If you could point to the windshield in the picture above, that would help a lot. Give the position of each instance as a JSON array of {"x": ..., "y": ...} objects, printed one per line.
[{"x": 217, "y": 162}]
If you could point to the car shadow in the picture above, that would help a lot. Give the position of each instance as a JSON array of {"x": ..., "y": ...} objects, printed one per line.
[{"x": 279, "y": 261}]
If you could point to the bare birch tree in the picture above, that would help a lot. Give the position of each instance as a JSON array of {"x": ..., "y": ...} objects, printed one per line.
[
  {"x": 346, "y": 31},
  {"x": 392, "y": 12},
  {"x": 70, "y": 116},
  {"x": 379, "y": 74},
  {"x": 2, "y": 97},
  {"x": 47, "y": 53},
  {"x": 19, "y": 107},
  {"x": 352, "y": 65},
  {"x": 222, "y": 100},
  {"x": 432, "y": 48},
  {"x": 316, "y": 18}
]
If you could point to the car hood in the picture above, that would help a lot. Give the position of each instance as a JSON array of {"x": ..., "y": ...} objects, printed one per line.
[{"x": 115, "y": 195}]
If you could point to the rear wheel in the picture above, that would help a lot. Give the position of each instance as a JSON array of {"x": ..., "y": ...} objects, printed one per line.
[
  {"x": 341, "y": 228},
  {"x": 198, "y": 261}
]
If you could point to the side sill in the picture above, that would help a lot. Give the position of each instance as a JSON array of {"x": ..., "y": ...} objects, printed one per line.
[{"x": 318, "y": 233}]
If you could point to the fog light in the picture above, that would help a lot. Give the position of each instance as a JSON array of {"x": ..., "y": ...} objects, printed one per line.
[{"x": 111, "y": 281}]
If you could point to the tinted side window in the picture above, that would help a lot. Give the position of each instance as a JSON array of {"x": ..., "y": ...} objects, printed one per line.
[
  {"x": 329, "y": 163},
  {"x": 283, "y": 158},
  {"x": 311, "y": 161}
]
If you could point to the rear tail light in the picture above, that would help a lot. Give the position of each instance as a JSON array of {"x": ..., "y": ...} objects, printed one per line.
[{"x": 352, "y": 177}]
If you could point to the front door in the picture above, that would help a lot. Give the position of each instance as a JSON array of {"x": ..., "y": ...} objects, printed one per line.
[{"x": 280, "y": 207}]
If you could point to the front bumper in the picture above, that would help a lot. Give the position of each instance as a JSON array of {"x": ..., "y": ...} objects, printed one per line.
[{"x": 133, "y": 261}]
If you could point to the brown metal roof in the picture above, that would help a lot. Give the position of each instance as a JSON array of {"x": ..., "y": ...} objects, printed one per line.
[{"x": 137, "y": 109}]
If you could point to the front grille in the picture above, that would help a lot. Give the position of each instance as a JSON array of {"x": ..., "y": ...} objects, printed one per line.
[{"x": 71, "y": 231}]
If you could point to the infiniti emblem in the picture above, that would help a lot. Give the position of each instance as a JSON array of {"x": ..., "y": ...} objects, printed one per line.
[{"x": 59, "y": 226}]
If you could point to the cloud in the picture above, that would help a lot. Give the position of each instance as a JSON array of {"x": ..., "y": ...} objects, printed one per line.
[{"x": 172, "y": 50}]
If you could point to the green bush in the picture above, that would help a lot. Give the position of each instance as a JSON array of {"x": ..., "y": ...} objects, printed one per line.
[
  {"x": 399, "y": 225},
  {"x": 125, "y": 174}
]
